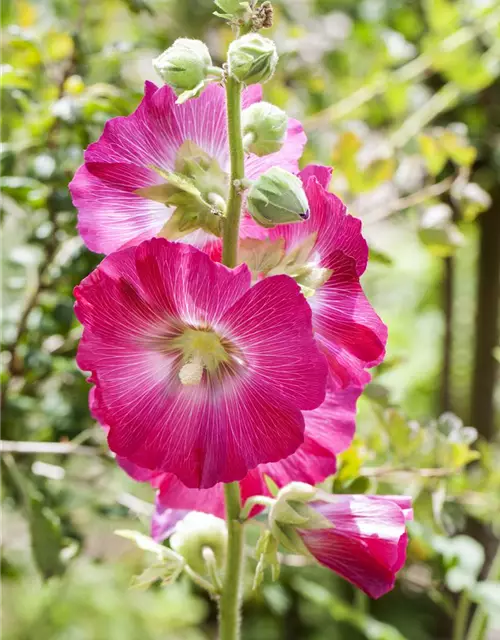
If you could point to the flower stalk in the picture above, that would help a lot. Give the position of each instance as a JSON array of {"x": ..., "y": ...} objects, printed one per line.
[
  {"x": 237, "y": 156},
  {"x": 230, "y": 600}
]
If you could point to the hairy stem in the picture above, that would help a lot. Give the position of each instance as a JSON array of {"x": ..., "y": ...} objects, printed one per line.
[
  {"x": 230, "y": 601},
  {"x": 236, "y": 153}
]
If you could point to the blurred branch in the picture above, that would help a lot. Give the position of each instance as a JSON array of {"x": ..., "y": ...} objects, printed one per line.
[
  {"x": 59, "y": 448},
  {"x": 375, "y": 472},
  {"x": 411, "y": 71},
  {"x": 68, "y": 448},
  {"x": 432, "y": 191},
  {"x": 441, "y": 101}
]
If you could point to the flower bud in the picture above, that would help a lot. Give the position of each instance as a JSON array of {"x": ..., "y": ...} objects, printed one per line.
[
  {"x": 264, "y": 128},
  {"x": 185, "y": 66},
  {"x": 277, "y": 197},
  {"x": 291, "y": 513},
  {"x": 362, "y": 538},
  {"x": 196, "y": 532},
  {"x": 252, "y": 58}
]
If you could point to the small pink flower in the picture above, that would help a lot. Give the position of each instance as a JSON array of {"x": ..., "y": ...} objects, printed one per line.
[
  {"x": 197, "y": 373},
  {"x": 367, "y": 541},
  {"x": 328, "y": 254},
  {"x": 132, "y": 149}
]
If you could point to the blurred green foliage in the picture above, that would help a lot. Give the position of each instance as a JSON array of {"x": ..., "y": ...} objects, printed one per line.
[{"x": 403, "y": 99}]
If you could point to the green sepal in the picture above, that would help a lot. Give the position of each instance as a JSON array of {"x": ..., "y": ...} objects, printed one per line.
[{"x": 266, "y": 553}]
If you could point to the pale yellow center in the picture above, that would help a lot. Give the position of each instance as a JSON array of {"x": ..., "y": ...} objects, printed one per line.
[{"x": 201, "y": 350}]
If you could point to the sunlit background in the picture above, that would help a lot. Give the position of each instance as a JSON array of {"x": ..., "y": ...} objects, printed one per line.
[{"x": 403, "y": 99}]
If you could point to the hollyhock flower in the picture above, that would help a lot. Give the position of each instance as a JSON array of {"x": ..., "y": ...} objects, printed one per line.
[
  {"x": 116, "y": 190},
  {"x": 362, "y": 538},
  {"x": 197, "y": 373},
  {"x": 326, "y": 255}
]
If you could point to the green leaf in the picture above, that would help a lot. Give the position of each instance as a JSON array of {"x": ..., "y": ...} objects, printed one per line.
[
  {"x": 464, "y": 557},
  {"x": 46, "y": 538},
  {"x": 147, "y": 544},
  {"x": 341, "y": 611},
  {"x": 434, "y": 156},
  {"x": 457, "y": 149},
  {"x": 438, "y": 232}
]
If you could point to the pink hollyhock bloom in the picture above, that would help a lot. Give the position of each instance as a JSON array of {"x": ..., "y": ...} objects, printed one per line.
[
  {"x": 366, "y": 543},
  {"x": 326, "y": 255},
  {"x": 197, "y": 373},
  {"x": 134, "y": 149}
]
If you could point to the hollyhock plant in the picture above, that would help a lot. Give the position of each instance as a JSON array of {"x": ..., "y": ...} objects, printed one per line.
[
  {"x": 197, "y": 373},
  {"x": 362, "y": 538},
  {"x": 226, "y": 334},
  {"x": 119, "y": 190}
]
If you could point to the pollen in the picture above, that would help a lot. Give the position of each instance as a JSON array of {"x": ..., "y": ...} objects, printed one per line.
[
  {"x": 201, "y": 350},
  {"x": 191, "y": 374}
]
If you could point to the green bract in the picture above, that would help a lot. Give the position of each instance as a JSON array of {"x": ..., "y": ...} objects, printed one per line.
[
  {"x": 252, "y": 58},
  {"x": 185, "y": 66},
  {"x": 233, "y": 8},
  {"x": 277, "y": 197},
  {"x": 264, "y": 128}
]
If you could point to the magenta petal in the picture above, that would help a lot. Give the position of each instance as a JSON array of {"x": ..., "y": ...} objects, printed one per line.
[
  {"x": 350, "y": 333},
  {"x": 322, "y": 174},
  {"x": 109, "y": 209},
  {"x": 329, "y": 430},
  {"x": 299, "y": 377},
  {"x": 164, "y": 520},
  {"x": 210, "y": 432},
  {"x": 367, "y": 543}
]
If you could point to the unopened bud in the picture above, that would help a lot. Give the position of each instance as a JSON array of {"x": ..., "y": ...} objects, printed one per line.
[
  {"x": 291, "y": 513},
  {"x": 252, "y": 59},
  {"x": 277, "y": 197},
  {"x": 196, "y": 532},
  {"x": 264, "y": 128},
  {"x": 186, "y": 66}
]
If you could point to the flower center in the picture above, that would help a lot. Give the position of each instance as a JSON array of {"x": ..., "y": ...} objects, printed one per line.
[
  {"x": 197, "y": 189},
  {"x": 202, "y": 350}
]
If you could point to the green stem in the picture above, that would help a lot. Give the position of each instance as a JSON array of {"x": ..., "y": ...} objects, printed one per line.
[
  {"x": 237, "y": 157},
  {"x": 230, "y": 600},
  {"x": 480, "y": 617},
  {"x": 461, "y": 616}
]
